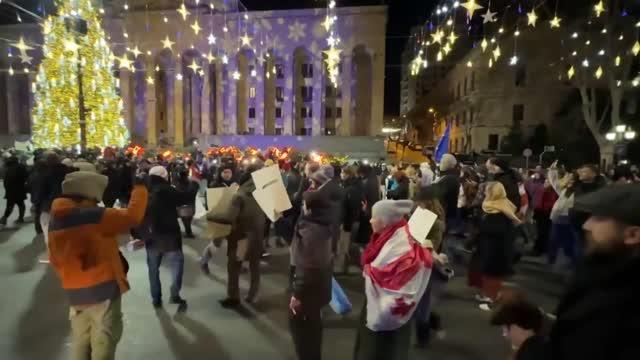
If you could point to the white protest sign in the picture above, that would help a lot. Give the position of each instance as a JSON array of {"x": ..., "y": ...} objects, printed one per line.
[
  {"x": 421, "y": 223},
  {"x": 270, "y": 192}
]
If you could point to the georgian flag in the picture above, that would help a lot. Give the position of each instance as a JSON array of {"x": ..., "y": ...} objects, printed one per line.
[{"x": 396, "y": 280}]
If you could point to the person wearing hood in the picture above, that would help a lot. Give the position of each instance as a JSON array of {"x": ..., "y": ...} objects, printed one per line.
[
  {"x": 449, "y": 187},
  {"x": 396, "y": 268},
  {"x": 494, "y": 243},
  {"x": 311, "y": 259},
  {"x": 247, "y": 224},
  {"x": 162, "y": 235},
  {"x": 224, "y": 179},
  {"x": 15, "y": 188},
  {"x": 500, "y": 171},
  {"x": 83, "y": 250}
]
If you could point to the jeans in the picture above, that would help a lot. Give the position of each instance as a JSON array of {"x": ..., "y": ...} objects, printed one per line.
[
  {"x": 96, "y": 330},
  {"x": 562, "y": 236},
  {"x": 154, "y": 260}
]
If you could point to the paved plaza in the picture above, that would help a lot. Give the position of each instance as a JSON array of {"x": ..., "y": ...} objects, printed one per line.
[{"x": 34, "y": 326}]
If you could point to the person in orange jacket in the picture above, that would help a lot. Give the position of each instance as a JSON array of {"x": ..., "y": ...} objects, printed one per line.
[{"x": 83, "y": 250}]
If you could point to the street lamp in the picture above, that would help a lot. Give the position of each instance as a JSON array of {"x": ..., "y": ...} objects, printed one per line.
[{"x": 621, "y": 137}]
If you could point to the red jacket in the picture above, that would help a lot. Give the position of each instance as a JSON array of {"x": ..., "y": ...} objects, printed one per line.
[{"x": 545, "y": 198}]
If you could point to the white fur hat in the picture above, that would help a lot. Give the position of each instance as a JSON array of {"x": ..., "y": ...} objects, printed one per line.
[
  {"x": 87, "y": 184},
  {"x": 448, "y": 162},
  {"x": 159, "y": 170}
]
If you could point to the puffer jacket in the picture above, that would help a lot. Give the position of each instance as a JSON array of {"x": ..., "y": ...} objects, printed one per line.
[{"x": 83, "y": 246}]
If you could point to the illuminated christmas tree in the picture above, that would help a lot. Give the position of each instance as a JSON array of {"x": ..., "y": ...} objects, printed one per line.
[{"x": 56, "y": 116}]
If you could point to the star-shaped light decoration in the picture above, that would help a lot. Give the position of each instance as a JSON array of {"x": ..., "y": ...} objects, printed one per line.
[
  {"x": 437, "y": 36},
  {"x": 489, "y": 16},
  {"x": 617, "y": 60},
  {"x": 571, "y": 72},
  {"x": 599, "y": 8},
  {"x": 497, "y": 53},
  {"x": 452, "y": 37},
  {"x": 636, "y": 48},
  {"x": 167, "y": 43},
  {"x": 599, "y": 72},
  {"x": 150, "y": 80},
  {"x": 484, "y": 44},
  {"x": 246, "y": 40},
  {"x": 136, "y": 52},
  {"x": 327, "y": 23},
  {"x": 555, "y": 22},
  {"x": 210, "y": 57},
  {"x": 184, "y": 12},
  {"x": 472, "y": 6},
  {"x": 532, "y": 18},
  {"x": 333, "y": 55},
  {"x": 439, "y": 56},
  {"x": 125, "y": 63},
  {"x": 236, "y": 75},
  {"x": 25, "y": 58},
  {"x": 211, "y": 39},
  {"x": 21, "y": 45},
  {"x": 194, "y": 66},
  {"x": 178, "y": 76},
  {"x": 225, "y": 59},
  {"x": 196, "y": 27},
  {"x": 446, "y": 48}
]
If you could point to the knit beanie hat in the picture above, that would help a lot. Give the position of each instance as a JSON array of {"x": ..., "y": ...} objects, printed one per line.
[
  {"x": 159, "y": 170},
  {"x": 323, "y": 175},
  {"x": 448, "y": 162},
  {"x": 87, "y": 184},
  {"x": 391, "y": 211}
]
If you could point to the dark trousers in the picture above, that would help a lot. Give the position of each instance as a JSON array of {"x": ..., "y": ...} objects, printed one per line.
[
  {"x": 306, "y": 332},
  {"x": 108, "y": 201},
  {"x": 36, "y": 217},
  {"x": 10, "y": 204},
  {"x": 154, "y": 260},
  {"x": 233, "y": 272},
  {"x": 186, "y": 221},
  {"x": 543, "y": 228}
]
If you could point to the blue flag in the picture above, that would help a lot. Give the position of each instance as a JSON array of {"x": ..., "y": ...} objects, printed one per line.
[{"x": 443, "y": 145}]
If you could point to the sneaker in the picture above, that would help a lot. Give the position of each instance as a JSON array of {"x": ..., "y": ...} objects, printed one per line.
[
  {"x": 204, "y": 267},
  {"x": 177, "y": 300},
  {"x": 483, "y": 299},
  {"x": 229, "y": 303},
  {"x": 485, "y": 307},
  {"x": 265, "y": 254}
]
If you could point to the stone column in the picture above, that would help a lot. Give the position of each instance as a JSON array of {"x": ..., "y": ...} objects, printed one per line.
[
  {"x": 258, "y": 83},
  {"x": 126, "y": 93},
  {"x": 316, "y": 105},
  {"x": 230, "y": 92},
  {"x": 219, "y": 99},
  {"x": 12, "y": 104},
  {"x": 377, "y": 91},
  {"x": 288, "y": 103},
  {"x": 206, "y": 101},
  {"x": 150, "y": 100},
  {"x": 178, "y": 109},
  {"x": 347, "y": 76},
  {"x": 30, "y": 84}
]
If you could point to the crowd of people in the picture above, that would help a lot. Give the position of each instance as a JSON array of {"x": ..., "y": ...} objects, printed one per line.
[{"x": 343, "y": 217}]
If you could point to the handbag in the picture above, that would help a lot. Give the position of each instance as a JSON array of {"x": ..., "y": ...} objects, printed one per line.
[
  {"x": 339, "y": 301},
  {"x": 186, "y": 211}
]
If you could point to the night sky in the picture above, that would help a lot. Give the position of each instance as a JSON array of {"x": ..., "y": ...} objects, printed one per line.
[{"x": 403, "y": 14}]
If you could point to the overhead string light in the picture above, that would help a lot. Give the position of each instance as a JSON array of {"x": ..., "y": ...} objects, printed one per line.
[{"x": 332, "y": 54}]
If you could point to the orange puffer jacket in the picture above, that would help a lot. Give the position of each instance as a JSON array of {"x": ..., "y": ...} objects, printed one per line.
[{"x": 83, "y": 246}]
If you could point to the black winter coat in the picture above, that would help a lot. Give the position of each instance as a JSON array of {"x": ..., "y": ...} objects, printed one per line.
[
  {"x": 160, "y": 228},
  {"x": 371, "y": 191},
  {"x": 599, "y": 317},
  {"x": 352, "y": 204},
  {"x": 52, "y": 186},
  {"x": 448, "y": 186},
  {"x": 509, "y": 179},
  {"x": 190, "y": 189},
  {"x": 15, "y": 181},
  {"x": 401, "y": 192},
  {"x": 494, "y": 246}
]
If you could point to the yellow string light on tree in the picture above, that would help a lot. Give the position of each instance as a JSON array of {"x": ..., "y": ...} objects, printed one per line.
[{"x": 55, "y": 113}]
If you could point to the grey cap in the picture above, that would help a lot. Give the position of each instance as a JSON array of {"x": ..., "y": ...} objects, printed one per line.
[{"x": 620, "y": 202}]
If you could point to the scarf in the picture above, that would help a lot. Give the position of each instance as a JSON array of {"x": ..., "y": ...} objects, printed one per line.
[
  {"x": 378, "y": 241},
  {"x": 503, "y": 206}
]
